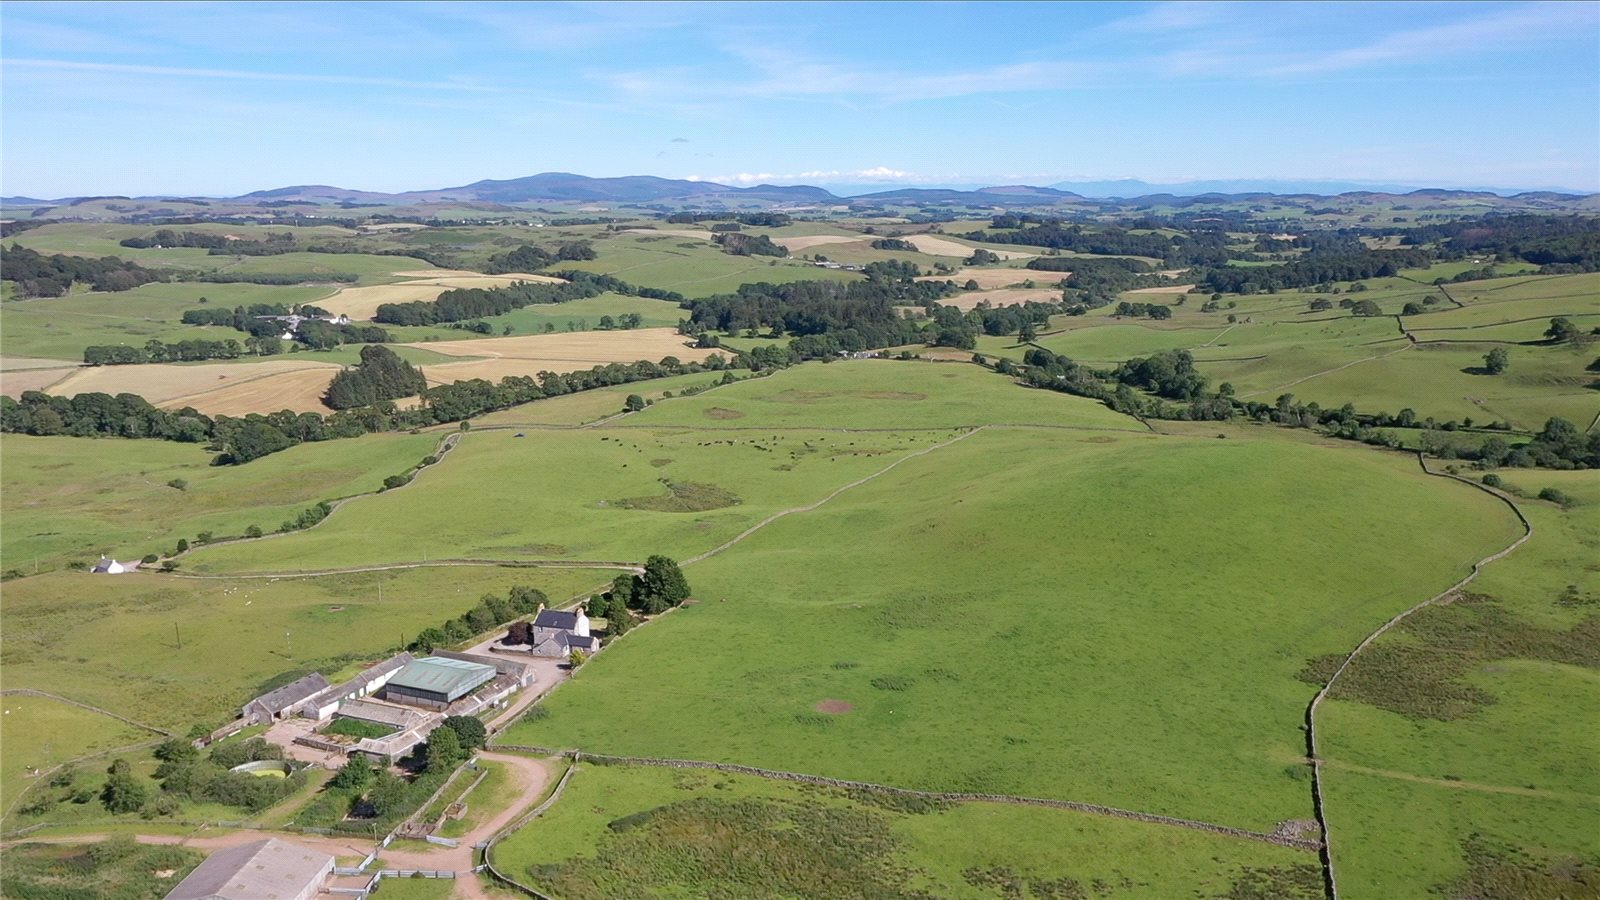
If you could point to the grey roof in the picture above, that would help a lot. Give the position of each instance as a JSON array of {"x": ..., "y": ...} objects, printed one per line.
[
  {"x": 556, "y": 618},
  {"x": 580, "y": 641},
  {"x": 451, "y": 677},
  {"x": 261, "y": 870},
  {"x": 291, "y": 693},
  {"x": 379, "y": 713}
]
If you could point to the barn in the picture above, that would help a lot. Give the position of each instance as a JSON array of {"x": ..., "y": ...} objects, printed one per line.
[
  {"x": 261, "y": 870},
  {"x": 436, "y": 682}
]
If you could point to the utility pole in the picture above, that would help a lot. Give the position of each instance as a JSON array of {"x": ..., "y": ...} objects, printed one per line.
[{"x": 178, "y": 635}]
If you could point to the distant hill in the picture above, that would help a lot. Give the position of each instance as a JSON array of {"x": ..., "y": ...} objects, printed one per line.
[{"x": 653, "y": 191}]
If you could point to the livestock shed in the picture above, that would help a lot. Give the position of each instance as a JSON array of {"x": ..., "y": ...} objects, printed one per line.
[
  {"x": 279, "y": 703},
  {"x": 435, "y": 682},
  {"x": 260, "y": 870}
]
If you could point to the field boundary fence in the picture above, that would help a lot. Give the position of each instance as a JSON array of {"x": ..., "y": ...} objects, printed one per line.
[{"x": 1318, "y": 800}]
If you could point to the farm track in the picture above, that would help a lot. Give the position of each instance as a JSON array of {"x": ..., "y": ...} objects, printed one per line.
[
  {"x": 1327, "y": 372},
  {"x": 836, "y": 492},
  {"x": 1475, "y": 786},
  {"x": 1446, "y": 596}
]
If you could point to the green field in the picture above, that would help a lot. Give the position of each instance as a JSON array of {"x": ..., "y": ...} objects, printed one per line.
[
  {"x": 72, "y": 499},
  {"x": 1520, "y": 661},
  {"x": 709, "y": 834},
  {"x": 60, "y": 328},
  {"x": 194, "y": 650},
  {"x": 39, "y": 733},
  {"x": 940, "y": 595},
  {"x": 694, "y": 267}
]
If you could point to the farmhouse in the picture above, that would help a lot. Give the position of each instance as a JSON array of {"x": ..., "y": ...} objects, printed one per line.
[
  {"x": 261, "y": 870},
  {"x": 555, "y": 633},
  {"x": 435, "y": 682},
  {"x": 280, "y": 703},
  {"x": 107, "y": 566}
]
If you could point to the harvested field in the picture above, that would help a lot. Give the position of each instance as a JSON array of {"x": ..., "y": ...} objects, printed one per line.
[
  {"x": 300, "y": 391},
  {"x": 13, "y": 363},
  {"x": 675, "y": 232},
  {"x": 14, "y": 381},
  {"x": 807, "y": 241},
  {"x": 989, "y": 279},
  {"x": 1164, "y": 289},
  {"x": 971, "y": 299},
  {"x": 939, "y": 246},
  {"x": 363, "y": 302},
  {"x": 535, "y": 353},
  {"x": 163, "y": 383}
]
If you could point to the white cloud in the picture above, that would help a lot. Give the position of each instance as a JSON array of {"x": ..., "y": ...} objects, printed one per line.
[{"x": 242, "y": 75}]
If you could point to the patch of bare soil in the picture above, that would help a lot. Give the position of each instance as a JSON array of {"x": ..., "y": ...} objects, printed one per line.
[{"x": 833, "y": 707}]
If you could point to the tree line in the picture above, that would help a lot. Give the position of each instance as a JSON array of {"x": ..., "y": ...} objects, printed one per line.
[
  {"x": 465, "y": 304},
  {"x": 1310, "y": 270},
  {"x": 156, "y": 351},
  {"x": 37, "y": 275},
  {"x": 239, "y": 440}
]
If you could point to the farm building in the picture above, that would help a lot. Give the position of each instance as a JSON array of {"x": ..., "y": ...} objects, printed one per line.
[
  {"x": 562, "y": 643},
  {"x": 517, "y": 671},
  {"x": 557, "y": 632},
  {"x": 280, "y": 703},
  {"x": 436, "y": 682},
  {"x": 108, "y": 566},
  {"x": 261, "y": 870},
  {"x": 324, "y": 703}
]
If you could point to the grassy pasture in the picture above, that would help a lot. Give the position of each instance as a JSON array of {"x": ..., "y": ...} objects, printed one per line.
[
  {"x": 61, "y": 327},
  {"x": 1046, "y": 604},
  {"x": 560, "y": 494},
  {"x": 114, "y": 641},
  {"x": 1395, "y": 837},
  {"x": 1426, "y": 784},
  {"x": 692, "y": 266},
  {"x": 72, "y": 499},
  {"x": 587, "y": 312},
  {"x": 588, "y": 406},
  {"x": 39, "y": 733},
  {"x": 1440, "y": 381},
  {"x": 881, "y": 394},
  {"x": 704, "y": 831}
]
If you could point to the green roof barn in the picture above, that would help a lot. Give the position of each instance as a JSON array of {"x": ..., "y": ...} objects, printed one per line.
[{"x": 436, "y": 681}]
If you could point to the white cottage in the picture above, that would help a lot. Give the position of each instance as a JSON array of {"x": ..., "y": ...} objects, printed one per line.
[{"x": 108, "y": 566}]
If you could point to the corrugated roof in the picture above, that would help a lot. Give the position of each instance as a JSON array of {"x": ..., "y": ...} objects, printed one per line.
[
  {"x": 451, "y": 677},
  {"x": 260, "y": 870},
  {"x": 292, "y": 693}
]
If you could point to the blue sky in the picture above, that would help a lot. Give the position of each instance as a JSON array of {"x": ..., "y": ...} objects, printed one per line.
[{"x": 222, "y": 98}]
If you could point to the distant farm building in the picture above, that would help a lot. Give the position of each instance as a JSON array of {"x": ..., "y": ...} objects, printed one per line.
[
  {"x": 436, "y": 682},
  {"x": 280, "y": 703},
  {"x": 108, "y": 566},
  {"x": 261, "y": 870}
]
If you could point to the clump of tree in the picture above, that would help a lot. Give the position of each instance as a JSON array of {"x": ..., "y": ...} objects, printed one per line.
[
  {"x": 492, "y": 610},
  {"x": 1143, "y": 310},
  {"x": 382, "y": 375},
  {"x": 184, "y": 772},
  {"x": 897, "y": 244},
  {"x": 739, "y": 244},
  {"x": 1496, "y": 361},
  {"x": 37, "y": 275},
  {"x": 1313, "y": 269},
  {"x": 528, "y": 258},
  {"x": 661, "y": 587}
]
